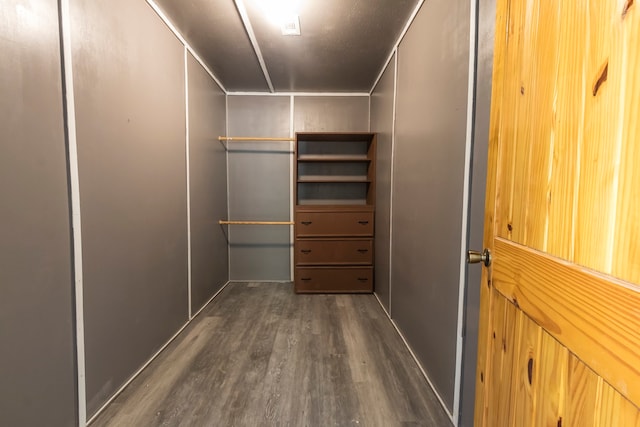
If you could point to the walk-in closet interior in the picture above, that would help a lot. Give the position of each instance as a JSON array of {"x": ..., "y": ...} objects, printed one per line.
[{"x": 159, "y": 157}]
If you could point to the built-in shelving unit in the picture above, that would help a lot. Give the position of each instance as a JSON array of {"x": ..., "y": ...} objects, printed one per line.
[{"x": 334, "y": 213}]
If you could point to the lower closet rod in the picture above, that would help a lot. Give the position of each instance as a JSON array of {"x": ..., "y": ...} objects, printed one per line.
[{"x": 221, "y": 222}]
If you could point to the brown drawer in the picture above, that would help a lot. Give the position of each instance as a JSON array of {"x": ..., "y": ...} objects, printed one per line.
[
  {"x": 347, "y": 279},
  {"x": 315, "y": 224},
  {"x": 334, "y": 251}
]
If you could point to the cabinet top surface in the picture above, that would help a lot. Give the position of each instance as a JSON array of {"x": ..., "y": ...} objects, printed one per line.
[{"x": 334, "y": 136}]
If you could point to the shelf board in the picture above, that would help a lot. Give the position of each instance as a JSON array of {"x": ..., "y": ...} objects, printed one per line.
[
  {"x": 334, "y": 202},
  {"x": 333, "y": 158},
  {"x": 333, "y": 178}
]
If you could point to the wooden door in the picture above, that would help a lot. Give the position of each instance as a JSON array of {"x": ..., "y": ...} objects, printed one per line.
[{"x": 559, "y": 341}]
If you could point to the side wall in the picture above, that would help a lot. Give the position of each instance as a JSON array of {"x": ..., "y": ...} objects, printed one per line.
[
  {"x": 37, "y": 373},
  {"x": 426, "y": 186},
  {"x": 131, "y": 155},
  {"x": 382, "y": 116},
  {"x": 260, "y": 172},
  {"x": 208, "y": 185},
  {"x": 136, "y": 177}
]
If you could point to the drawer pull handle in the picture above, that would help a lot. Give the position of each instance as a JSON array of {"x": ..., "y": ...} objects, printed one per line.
[
  {"x": 305, "y": 251},
  {"x": 362, "y": 279},
  {"x": 305, "y": 279},
  {"x": 363, "y": 222},
  {"x": 363, "y": 251},
  {"x": 305, "y": 222}
]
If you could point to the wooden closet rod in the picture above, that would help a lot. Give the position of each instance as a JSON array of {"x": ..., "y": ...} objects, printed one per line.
[
  {"x": 222, "y": 222},
  {"x": 251, "y": 138}
]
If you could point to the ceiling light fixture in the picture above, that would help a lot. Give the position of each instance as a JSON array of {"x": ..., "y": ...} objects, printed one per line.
[{"x": 284, "y": 14}]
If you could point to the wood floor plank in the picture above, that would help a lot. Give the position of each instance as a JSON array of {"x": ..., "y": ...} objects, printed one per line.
[{"x": 260, "y": 355}]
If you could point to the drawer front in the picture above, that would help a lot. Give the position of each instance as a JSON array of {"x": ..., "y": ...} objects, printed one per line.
[
  {"x": 315, "y": 224},
  {"x": 309, "y": 279},
  {"x": 318, "y": 251}
]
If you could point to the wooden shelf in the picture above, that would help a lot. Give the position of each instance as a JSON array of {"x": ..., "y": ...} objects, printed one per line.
[
  {"x": 332, "y": 202},
  {"x": 333, "y": 158},
  {"x": 333, "y": 178}
]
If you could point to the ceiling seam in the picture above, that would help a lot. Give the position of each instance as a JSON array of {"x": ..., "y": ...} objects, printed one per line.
[
  {"x": 254, "y": 42},
  {"x": 395, "y": 47}
]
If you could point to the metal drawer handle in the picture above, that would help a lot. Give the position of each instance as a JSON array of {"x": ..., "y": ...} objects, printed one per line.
[
  {"x": 363, "y": 251},
  {"x": 305, "y": 222},
  {"x": 305, "y": 251},
  {"x": 362, "y": 279},
  {"x": 305, "y": 279},
  {"x": 363, "y": 222}
]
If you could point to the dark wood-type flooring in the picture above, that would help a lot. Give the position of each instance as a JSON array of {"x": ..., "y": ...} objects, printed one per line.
[{"x": 259, "y": 355}]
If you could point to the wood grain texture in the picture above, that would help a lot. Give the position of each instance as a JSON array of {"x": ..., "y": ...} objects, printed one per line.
[
  {"x": 485, "y": 325},
  {"x": 626, "y": 252},
  {"x": 563, "y": 298},
  {"x": 551, "y": 382},
  {"x": 260, "y": 355},
  {"x": 562, "y": 216},
  {"x": 582, "y": 391},
  {"x": 525, "y": 369}
]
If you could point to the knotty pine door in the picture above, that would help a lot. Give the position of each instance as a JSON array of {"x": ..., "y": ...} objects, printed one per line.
[{"x": 559, "y": 341}]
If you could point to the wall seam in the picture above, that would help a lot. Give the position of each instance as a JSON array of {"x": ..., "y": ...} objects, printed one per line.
[
  {"x": 188, "y": 167},
  {"x": 76, "y": 222},
  {"x": 226, "y": 153},
  {"x": 391, "y": 180},
  {"x": 395, "y": 47},
  {"x": 292, "y": 184},
  {"x": 176, "y": 33},
  {"x": 466, "y": 195}
]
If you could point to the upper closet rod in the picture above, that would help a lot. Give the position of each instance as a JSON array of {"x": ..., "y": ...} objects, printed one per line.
[{"x": 252, "y": 138}]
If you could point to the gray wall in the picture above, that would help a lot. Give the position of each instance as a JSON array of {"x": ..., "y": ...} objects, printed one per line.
[
  {"x": 486, "y": 16},
  {"x": 259, "y": 188},
  {"x": 428, "y": 186},
  {"x": 382, "y": 123},
  {"x": 260, "y": 173},
  {"x": 130, "y": 98},
  {"x": 37, "y": 373},
  {"x": 331, "y": 114},
  {"x": 208, "y": 185},
  {"x": 132, "y": 164}
]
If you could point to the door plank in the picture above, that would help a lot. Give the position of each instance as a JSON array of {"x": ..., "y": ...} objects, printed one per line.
[
  {"x": 521, "y": 88},
  {"x": 569, "y": 131},
  {"x": 540, "y": 93},
  {"x": 525, "y": 370},
  {"x": 582, "y": 393},
  {"x": 502, "y": 342},
  {"x": 485, "y": 326},
  {"x": 626, "y": 261},
  {"x": 551, "y": 382},
  {"x": 595, "y": 316},
  {"x": 600, "y": 149},
  {"x": 615, "y": 410},
  {"x": 514, "y": 15}
]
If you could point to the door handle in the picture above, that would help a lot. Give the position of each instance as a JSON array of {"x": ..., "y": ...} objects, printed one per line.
[
  {"x": 474, "y": 257},
  {"x": 305, "y": 251},
  {"x": 363, "y": 251},
  {"x": 363, "y": 222},
  {"x": 305, "y": 222}
]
